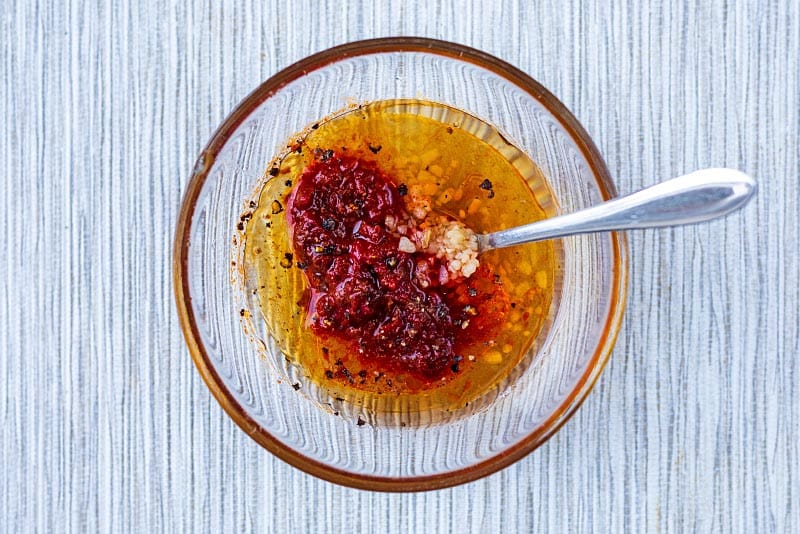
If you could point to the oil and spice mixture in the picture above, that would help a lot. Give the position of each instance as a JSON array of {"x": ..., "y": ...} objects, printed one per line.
[{"x": 366, "y": 264}]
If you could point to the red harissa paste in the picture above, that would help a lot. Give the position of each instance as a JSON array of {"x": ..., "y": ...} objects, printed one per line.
[{"x": 365, "y": 291}]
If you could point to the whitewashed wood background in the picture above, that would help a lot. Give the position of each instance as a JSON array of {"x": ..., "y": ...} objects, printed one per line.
[{"x": 106, "y": 426}]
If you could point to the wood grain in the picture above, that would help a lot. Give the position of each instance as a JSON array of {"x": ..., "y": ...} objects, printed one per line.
[{"x": 106, "y": 426}]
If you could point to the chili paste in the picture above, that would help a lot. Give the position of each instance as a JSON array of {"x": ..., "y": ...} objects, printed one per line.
[{"x": 369, "y": 293}]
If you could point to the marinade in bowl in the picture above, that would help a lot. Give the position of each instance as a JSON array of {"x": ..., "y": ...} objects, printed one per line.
[
  {"x": 285, "y": 354},
  {"x": 356, "y": 255}
]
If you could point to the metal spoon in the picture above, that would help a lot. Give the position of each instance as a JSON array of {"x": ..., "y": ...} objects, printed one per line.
[{"x": 692, "y": 198}]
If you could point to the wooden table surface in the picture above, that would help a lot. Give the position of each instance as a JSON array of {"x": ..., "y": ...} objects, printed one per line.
[{"x": 106, "y": 426}]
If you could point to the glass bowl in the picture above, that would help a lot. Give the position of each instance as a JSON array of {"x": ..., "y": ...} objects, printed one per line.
[{"x": 269, "y": 399}]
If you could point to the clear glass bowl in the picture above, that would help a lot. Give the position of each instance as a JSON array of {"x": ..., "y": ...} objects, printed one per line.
[{"x": 251, "y": 380}]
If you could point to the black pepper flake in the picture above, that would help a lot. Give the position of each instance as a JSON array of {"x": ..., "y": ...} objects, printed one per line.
[
  {"x": 449, "y": 129},
  {"x": 329, "y": 374},
  {"x": 375, "y": 149},
  {"x": 240, "y": 226},
  {"x": 296, "y": 386},
  {"x": 301, "y": 265},
  {"x": 277, "y": 207},
  {"x": 253, "y": 204},
  {"x": 328, "y": 223},
  {"x": 286, "y": 262},
  {"x": 274, "y": 171},
  {"x": 325, "y": 350},
  {"x": 472, "y": 292},
  {"x": 391, "y": 262},
  {"x": 497, "y": 279},
  {"x": 487, "y": 185},
  {"x": 246, "y": 217},
  {"x": 454, "y": 368},
  {"x": 513, "y": 305},
  {"x": 402, "y": 190},
  {"x": 315, "y": 126},
  {"x": 288, "y": 183},
  {"x": 360, "y": 422},
  {"x": 362, "y": 373},
  {"x": 347, "y": 374},
  {"x": 242, "y": 312},
  {"x": 327, "y": 154}
]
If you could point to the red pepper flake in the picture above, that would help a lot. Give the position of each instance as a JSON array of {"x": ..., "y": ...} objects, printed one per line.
[{"x": 364, "y": 290}]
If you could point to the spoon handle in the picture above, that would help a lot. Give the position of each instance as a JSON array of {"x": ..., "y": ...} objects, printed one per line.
[{"x": 691, "y": 198}]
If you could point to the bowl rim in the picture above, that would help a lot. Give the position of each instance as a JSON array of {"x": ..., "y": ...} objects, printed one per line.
[{"x": 199, "y": 354}]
